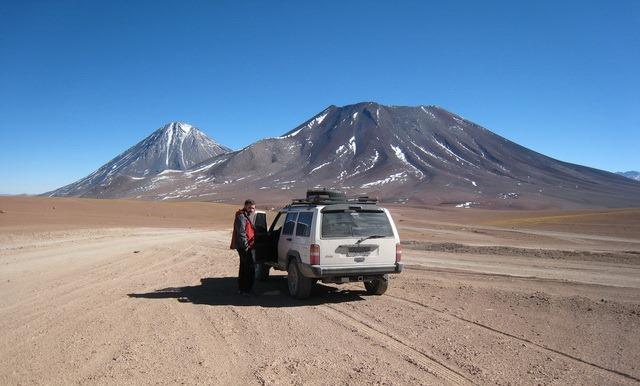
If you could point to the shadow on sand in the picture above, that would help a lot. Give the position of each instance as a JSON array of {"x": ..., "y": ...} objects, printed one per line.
[{"x": 218, "y": 291}]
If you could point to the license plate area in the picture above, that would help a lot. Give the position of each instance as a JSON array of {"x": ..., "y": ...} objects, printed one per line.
[{"x": 358, "y": 251}]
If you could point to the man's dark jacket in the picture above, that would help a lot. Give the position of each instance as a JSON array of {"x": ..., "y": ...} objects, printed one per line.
[{"x": 243, "y": 232}]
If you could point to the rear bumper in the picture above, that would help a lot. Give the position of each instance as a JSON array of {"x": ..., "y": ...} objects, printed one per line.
[{"x": 319, "y": 271}]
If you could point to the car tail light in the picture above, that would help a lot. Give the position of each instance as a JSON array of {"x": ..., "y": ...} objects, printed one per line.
[
  {"x": 398, "y": 253},
  {"x": 314, "y": 254}
]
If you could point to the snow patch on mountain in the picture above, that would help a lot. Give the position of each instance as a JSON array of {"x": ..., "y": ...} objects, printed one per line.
[
  {"x": 314, "y": 122},
  {"x": 457, "y": 157},
  {"x": 319, "y": 167},
  {"x": 403, "y": 158},
  {"x": 401, "y": 177},
  {"x": 205, "y": 167},
  {"x": 352, "y": 144},
  {"x": 429, "y": 113}
]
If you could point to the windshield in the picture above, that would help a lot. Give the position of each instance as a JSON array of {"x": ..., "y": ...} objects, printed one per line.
[{"x": 355, "y": 224}]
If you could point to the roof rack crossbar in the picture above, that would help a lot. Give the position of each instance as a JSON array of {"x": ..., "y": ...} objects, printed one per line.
[
  {"x": 324, "y": 196},
  {"x": 334, "y": 200}
]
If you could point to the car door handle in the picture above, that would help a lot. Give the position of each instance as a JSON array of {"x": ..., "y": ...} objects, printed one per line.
[{"x": 288, "y": 238}]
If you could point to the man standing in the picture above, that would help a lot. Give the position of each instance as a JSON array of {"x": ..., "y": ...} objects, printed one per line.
[{"x": 243, "y": 239}]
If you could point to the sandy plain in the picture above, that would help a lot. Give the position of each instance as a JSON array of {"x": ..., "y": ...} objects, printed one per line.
[{"x": 135, "y": 292}]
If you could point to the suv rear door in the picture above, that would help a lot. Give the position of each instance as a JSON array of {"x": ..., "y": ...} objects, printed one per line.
[{"x": 356, "y": 236}]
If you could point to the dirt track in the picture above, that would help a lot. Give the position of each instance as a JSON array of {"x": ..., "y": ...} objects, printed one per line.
[{"x": 144, "y": 305}]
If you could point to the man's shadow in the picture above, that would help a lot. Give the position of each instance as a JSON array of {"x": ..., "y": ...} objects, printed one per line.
[{"x": 218, "y": 291}]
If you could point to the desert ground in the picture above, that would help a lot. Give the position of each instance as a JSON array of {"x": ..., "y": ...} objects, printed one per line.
[{"x": 138, "y": 292}]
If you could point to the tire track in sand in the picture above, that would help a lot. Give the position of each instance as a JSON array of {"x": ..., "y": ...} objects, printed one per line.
[
  {"x": 511, "y": 336},
  {"x": 413, "y": 355}
]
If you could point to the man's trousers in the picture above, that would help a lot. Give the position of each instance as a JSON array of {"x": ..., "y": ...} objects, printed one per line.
[{"x": 247, "y": 271}]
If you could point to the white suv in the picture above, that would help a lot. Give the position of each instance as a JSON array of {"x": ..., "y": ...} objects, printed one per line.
[{"x": 331, "y": 238}]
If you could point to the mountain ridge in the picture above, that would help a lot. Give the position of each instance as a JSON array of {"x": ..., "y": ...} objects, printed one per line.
[
  {"x": 633, "y": 174},
  {"x": 421, "y": 154}
]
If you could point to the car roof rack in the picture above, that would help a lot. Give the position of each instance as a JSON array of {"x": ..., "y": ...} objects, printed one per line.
[{"x": 329, "y": 197}]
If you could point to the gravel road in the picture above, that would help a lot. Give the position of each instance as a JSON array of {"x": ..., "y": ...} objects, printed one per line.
[{"x": 143, "y": 305}]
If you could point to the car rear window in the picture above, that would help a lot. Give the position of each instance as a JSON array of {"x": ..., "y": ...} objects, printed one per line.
[{"x": 355, "y": 224}]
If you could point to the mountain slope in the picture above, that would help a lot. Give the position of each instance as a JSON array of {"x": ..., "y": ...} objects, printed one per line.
[
  {"x": 634, "y": 175},
  {"x": 175, "y": 146},
  {"x": 421, "y": 154},
  {"x": 415, "y": 155}
]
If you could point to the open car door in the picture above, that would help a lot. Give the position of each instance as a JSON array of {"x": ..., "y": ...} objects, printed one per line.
[
  {"x": 262, "y": 241},
  {"x": 266, "y": 240},
  {"x": 260, "y": 223}
]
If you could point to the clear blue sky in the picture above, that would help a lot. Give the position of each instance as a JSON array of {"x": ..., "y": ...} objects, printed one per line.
[{"x": 81, "y": 81}]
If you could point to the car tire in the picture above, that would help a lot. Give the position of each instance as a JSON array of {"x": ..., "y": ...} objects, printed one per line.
[
  {"x": 262, "y": 271},
  {"x": 377, "y": 286},
  {"x": 299, "y": 285}
]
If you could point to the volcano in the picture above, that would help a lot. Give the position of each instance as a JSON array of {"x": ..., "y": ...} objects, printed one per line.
[
  {"x": 176, "y": 146},
  {"x": 423, "y": 155}
]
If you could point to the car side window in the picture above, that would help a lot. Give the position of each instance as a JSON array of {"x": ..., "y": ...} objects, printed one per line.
[
  {"x": 289, "y": 223},
  {"x": 304, "y": 224},
  {"x": 278, "y": 222},
  {"x": 260, "y": 222}
]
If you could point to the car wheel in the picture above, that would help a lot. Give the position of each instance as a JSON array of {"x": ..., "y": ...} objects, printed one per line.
[
  {"x": 262, "y": 271},
  {"x": 377, "y": 286},
  {"x": 299, "y": 285}
]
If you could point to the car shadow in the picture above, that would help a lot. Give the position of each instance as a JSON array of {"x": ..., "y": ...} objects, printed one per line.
[{"x": 222, "y": 291}]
